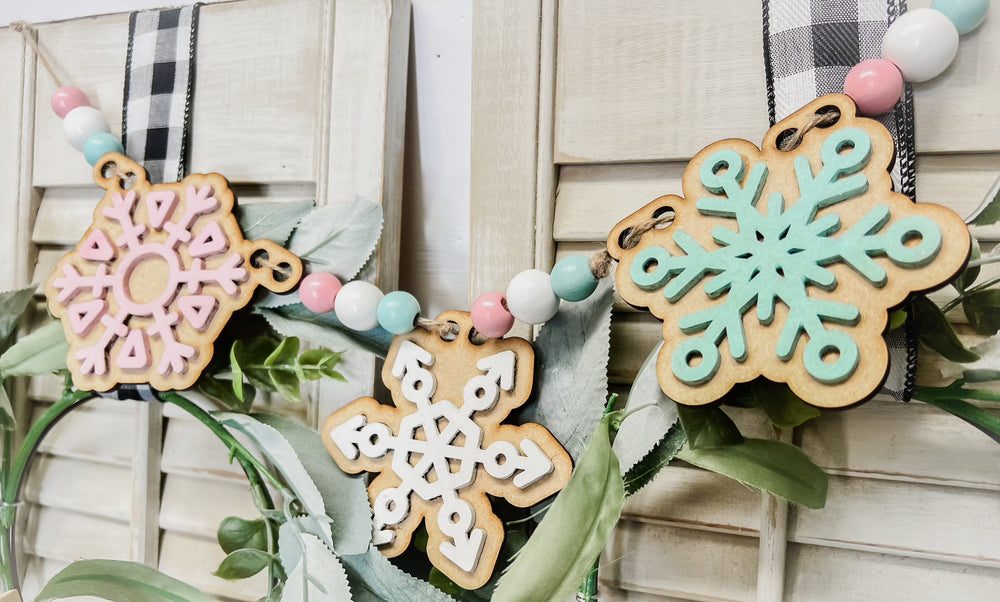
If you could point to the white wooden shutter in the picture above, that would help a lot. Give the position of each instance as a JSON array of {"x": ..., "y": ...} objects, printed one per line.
[
  {"x": 583, "y": 111},
  {"x": 294, "y": 99}
]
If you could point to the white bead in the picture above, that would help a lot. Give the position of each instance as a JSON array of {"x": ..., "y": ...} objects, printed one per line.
[
  {"x": 82, "y": 123},
  {"x": 530, "y": 297},
  {"x": 356, "y": 305},
  {"x": 922, "y": 43}
]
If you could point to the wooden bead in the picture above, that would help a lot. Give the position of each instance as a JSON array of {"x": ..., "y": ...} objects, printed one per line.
[
  {"x": 318, "y": 292},
  {"x": 572, "y": 279},
  {"x": 99, "y": 145},
  {"x": 922, "y": 43},
  {"x": 82, "y": 123},
  {"x": 965, "y": 14},
  {"x": 490, "y": 315},
  {"x": 398, "y": 311},
  {"x": 875, "y": 86},
  {"x": 67, "y": 98},
  {"x": 357, "y": 305},
  {"x": 530, "y": 297}
]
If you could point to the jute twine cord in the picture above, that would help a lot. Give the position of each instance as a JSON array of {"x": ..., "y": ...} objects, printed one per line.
[
  {"x": 817, "y": 120},
  {"x": 28, "y": 32},
  {"x": 601, "y": 262},
  {"x": 439, "y": 327}
]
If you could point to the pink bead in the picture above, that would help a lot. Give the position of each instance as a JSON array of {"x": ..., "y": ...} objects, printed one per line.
[
  {"x": 490, "y": 315},
  {"x": 67, "y": 98},
  {"x": 875, "y": 86},
  {"x": 318, "y": 292}
]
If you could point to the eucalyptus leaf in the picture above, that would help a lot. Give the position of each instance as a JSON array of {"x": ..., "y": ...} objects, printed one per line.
[
  {"x": 41, "y": 352},
  {"x": 339, "y": 237},
  {"x": 642, "y": 429},
  {"x": 13, "y": 305},
  {"x": 708, "y": 427},
  {"x": 662, "y": 453},
  {"x": 781, "y": 405},
  {"x": 575, "y": 529},
  {"x": 118, "y": 581},
  {"x": 324, "y": 330},
  {"x": 281, "y": 454},
  {"x": 983, "y": 310},
  {"x": 319, "y": 577},
  {"x": 934, "y": 331},
  {"x": 236, "y": 533},
  {"x": 988, "y": 211},
  {"x": 271, "y": 221},
  {"x": 240, "y": 564},
  {"x": 572, "y": 374},
  {"x": 344, "y": 495},
  {"x": 374, "y": 579},
  {"x": 776, "y": 467}
]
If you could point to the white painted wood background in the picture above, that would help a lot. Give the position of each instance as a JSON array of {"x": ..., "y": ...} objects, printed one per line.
[{"x": 583, "y": 111}]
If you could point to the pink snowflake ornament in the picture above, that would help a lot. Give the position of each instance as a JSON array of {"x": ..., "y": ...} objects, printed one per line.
[{"x": 157, "y": 275}]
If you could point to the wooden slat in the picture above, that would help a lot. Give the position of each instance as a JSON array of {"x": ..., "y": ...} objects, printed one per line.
[
  {"x": 191, "y": 449},
  {"x": 193, "y": 559},
  {"x": 697, "y": 499},
  {"x": 39, "y": 571},
  {"x": 820, "y": 574},
  {"x": 642, "y": 81},
  {"x": 906, "y": 519},
  {"x": 69, "y": 536},
  {"x": 16, "y": 118},
  {"x": 93, "y": 435},
  {"x": 80, "y": 486},
  {"x": 670, "y": 561},
  {"x": 217, "y": 499}
]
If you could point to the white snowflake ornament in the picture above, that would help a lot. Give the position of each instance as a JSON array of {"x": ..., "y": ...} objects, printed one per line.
[
  {"x": 157, "y": 275},
  {"x": 784, "y": 263},
  {"x": 441, "y": 447}
]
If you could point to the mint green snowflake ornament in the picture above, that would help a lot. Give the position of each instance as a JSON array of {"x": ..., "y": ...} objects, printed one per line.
[{"x": 783, "y": 263}]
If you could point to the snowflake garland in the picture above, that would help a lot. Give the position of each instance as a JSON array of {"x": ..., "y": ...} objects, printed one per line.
[
  {"x": 822, "y": 258},
  {"x": 155, "y": 278},
  {"x": 439, "y": 460}
]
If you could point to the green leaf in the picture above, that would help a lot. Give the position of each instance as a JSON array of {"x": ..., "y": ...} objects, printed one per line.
[
  {"x": 897, "y": 319},
  {"x": 324, "y": 329},
  {"x": 642, "y": 429},
  {"x": 282, "y": 369},
  {"x": 571, "y": 378},
  {"x": 968, "y": 276},
  {"x": 374, "y": 579},
  {"x": 250, "y": 357},
  {"x": 934, "y": 331},
  {"x": 118, "y": 581},
  {"x": 776, "y": 467},
  {"x": 318, "y": 577},
  {"x": 339, "y": 237},
  {"x": 783, "y": 407},
  {"x": 985, "y": 369},
  {"x": 344, "y": 495},
  {"x": 271, "y": 221},
  {"x": 41, "y": 352},
  {"x": 315, "y": 364},
  {"x": 708, "y": 427},
  {"x": 984, "y": 421},
  {"x": 281, "y": 454},
  {"x": 236, "y": 533},
  {"x": 575, "y": 529},
  {"x": 988, "y": 211},
  {"x": 7, "y": 421},
  {"x": 662, "y": 453},
  {"x": 983, "y": 310},
  {"x": 241, "y": 564},
  {"x": 223, "y": 392},
  {"x": 13, "y": 305}
]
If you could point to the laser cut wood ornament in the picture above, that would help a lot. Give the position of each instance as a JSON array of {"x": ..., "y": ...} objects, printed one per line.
[
  {"x": 813, "y": 238},
  {"x": 438, "y": 460},
  {"x": 157, "y": 275}
]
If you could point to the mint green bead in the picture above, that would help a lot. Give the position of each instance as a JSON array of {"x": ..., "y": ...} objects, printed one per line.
[
  {"x": 100, "y": 144},
  {"x": 397, "y": 312},
  {"x": 572, "y": 279},
  {"x": 965, "y": 14}
]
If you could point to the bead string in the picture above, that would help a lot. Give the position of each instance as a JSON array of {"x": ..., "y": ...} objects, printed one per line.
[
  {"x": 28, "y": 32},
  {"x": 817, "y": 120}
]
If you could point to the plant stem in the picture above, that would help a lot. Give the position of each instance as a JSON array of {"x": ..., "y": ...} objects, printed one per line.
[
  {"x": 588, "y": 589},
  {"x": 957, "y": 300},
  {"x": 253, "y": 467},
  {"x": 11, "y": 489}
]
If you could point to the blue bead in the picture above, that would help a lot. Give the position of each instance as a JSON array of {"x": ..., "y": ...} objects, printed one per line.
[
  {"x": 99, "y": 145},
  {"x": 572, "y": 279},
  {"x": 398, "y": 311},
  {"x": 965, "y": 14}
]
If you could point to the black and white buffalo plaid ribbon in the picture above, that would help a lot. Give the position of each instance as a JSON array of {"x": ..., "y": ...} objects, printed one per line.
[
  {"x": 159, "y": 77},
  {"x": 809, "y": 47}
]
